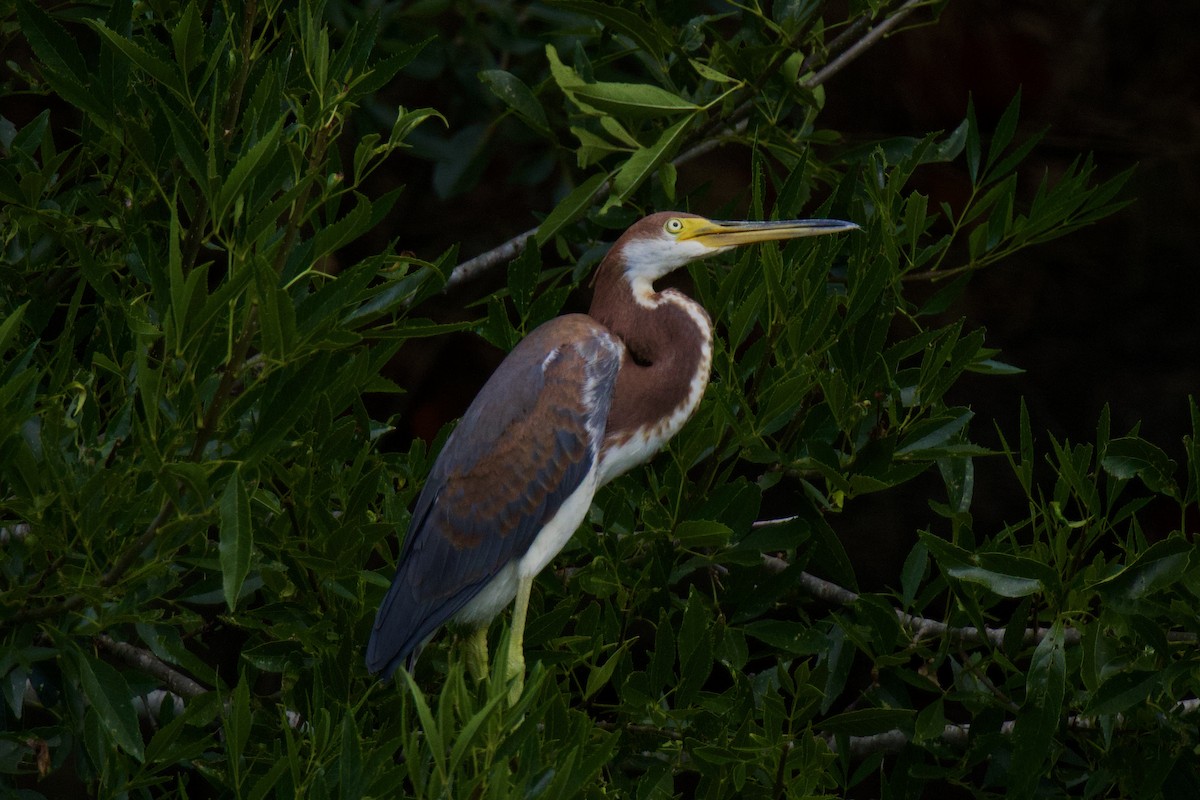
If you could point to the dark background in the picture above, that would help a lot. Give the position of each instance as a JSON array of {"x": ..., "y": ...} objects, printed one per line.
[{"x": 1104, "y": 315}]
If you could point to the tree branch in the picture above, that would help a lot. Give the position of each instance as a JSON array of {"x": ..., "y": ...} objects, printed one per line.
[
  {"x": 152, "y": 665},
  {"x": 894, "y": 741},
  {"x": 922, "y": 627}
]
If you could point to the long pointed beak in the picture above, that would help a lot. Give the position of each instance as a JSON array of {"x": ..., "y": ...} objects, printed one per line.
[{"x": 721, "y": 234}]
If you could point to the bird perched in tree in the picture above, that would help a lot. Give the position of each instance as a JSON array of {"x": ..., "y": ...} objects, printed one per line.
[{"x": 579, "y": 401}]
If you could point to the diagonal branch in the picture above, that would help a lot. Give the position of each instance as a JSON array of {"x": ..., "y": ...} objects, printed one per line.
[{"x": 152, "y": 665}]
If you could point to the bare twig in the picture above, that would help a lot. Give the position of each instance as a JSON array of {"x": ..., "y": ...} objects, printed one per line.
[
  {"x": 152, "y": 665},
  {"x": 870, "y": 38}
]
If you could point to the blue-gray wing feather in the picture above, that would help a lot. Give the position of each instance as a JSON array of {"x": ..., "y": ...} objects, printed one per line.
[{"x": 524, "y": 446}]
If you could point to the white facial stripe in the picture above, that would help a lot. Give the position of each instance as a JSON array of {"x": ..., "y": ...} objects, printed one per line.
[{"x": 650, "y": 258}]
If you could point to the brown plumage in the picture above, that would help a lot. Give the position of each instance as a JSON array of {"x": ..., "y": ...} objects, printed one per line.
[{"x": 579, "y": 401}]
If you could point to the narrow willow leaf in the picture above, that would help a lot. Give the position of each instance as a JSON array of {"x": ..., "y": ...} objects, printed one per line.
[
  {"x": 351, "y": 780},
  {"x": 696, "y": 533},
  {"x": 991, "y": 366},
  {"x": 570, "y": 208},
  {"x": 642, "y": 164},
  {"x": 352, "y": 225},
  {"x": 433, "y": 734},
  {"x": 869, "y": 721},
  {"x": 513, "y": 92},
  {"x": 1125, "y": 690},
  {"x": 10, "y": 325},
  {"x": 236, "y": 538},
  {"x": 188, "y": 38},
  {"x": 973, "y": 147},
  {"x": 52, "y": 45},
  {"x": 1005, "y": 128},
  {"x": 110, "y": 696},
  {"x": 1040, "y": 715},
  {"x": 164, "y": 72},
  {"x": 934, "y": 434},
  {"x": 246, "y": 167},
  {"x": 464, "y": 739},
  {"x": 566, "y": 77},
  {"x": 709, "y": 73},
  {"x": 635, "y": 100},
  {"x": 930, "y": 723},
  {"x": 997, "y": 582},
  {"x": 236, "y": 726},
  {"x": 65, "y": 69},
  {"x": 949, "y": 148},
  {"x": 601, "y": 676}
]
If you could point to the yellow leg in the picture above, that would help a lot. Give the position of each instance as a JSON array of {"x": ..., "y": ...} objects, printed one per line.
[
  {"x": 516, "y": 639},
  {"x": 477, "y": 654}
]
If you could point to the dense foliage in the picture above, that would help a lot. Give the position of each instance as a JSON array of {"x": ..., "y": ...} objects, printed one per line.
[{"x": 199, "y": 514}]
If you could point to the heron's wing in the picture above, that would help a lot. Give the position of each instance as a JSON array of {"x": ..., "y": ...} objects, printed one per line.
[{"x": 528, "y": 441}]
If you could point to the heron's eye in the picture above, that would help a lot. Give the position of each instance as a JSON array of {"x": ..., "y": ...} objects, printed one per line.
[{"x": 673, "y": 225}]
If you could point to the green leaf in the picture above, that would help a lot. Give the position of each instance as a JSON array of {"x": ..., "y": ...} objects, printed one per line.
[
  {"x": 642, "y": 164},
  {"x": 973, "y": 147},
  {"x": 630, "y": 100},
  {"x": 433, "y": 733},
  {"x": 1040, "y": 714},
  {"x": 1006, "y": 575},
  {"x": 351, "y": 780},
  {"x": 50, "y": 43},
  {"x": 237, "y": 725},
  {"x": 64, "y": 67},
  {"x": 188, "y": 38},
  {"x": 518, "y": 97},
  {"x": 935, "y": 433},
  {"x": 112, "y": 699},
  {"x": 868, "y": 721},
  {"x": 931, "y": 722},
  {"x": 601, "y": 676},
  {"x": 570, "y": 208},
  {"x": 1129, "y": 456},
  {"x": 10, "y": 326},
  {"x": 246, "y": 167},
  {"x": 1005, "y": 128},
  {"x": 695, "y": 533},
  {"x": 790, "y": 637},
  {"x": 1160, "y": 566},
  {"x": 236, "y": 537},
  {"x": 164, "y": 72},
  {"x": 1127, "y": 690},
  {"x": 352, "y": 225}
]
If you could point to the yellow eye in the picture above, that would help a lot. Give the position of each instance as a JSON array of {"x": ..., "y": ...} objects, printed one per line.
[{"x": 673, "y": 225}]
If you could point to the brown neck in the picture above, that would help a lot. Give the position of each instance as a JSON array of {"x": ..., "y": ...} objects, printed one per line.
[{"x": 666, "y": 346}]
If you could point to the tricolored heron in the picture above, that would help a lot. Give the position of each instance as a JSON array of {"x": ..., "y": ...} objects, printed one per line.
[{"x": 580, "y": 400}]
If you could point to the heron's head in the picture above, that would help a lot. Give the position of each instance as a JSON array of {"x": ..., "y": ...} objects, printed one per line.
[{"x": 663, "y": 242}]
